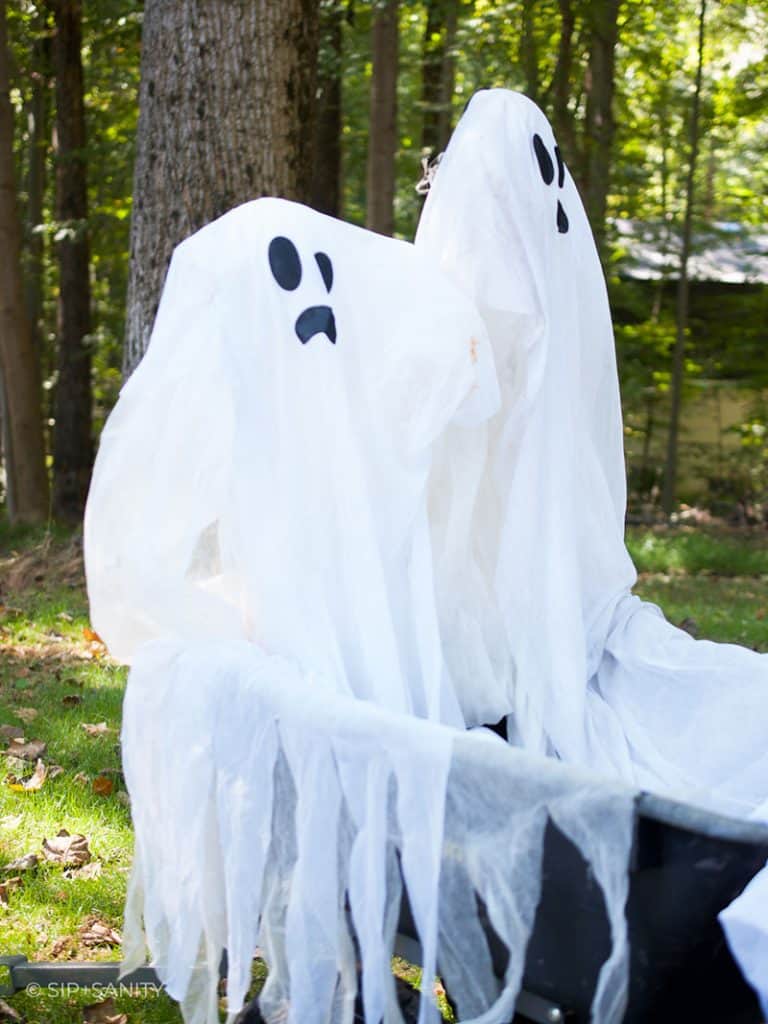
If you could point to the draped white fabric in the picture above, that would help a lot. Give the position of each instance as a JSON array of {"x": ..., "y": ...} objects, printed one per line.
[
  {"x": 269, "y": 810},
  {"x": 592, "y": 674},
  {"x": 258, "y": 547}
]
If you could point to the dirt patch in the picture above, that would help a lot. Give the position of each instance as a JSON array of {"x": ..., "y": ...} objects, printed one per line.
[{"x": 50, "y": 563}]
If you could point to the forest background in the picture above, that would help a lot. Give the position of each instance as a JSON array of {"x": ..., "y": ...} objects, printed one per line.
[{"x": 659, "y": 107}]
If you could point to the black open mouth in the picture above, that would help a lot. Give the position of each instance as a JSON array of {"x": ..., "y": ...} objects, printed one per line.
[{"x": 316, "y": 320}]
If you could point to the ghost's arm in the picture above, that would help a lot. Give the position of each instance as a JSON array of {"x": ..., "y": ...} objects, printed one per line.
[{"x": 159, "y": 481}]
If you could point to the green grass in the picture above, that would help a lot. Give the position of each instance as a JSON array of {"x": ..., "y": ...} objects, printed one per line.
[{"x": 719, "y": 580}]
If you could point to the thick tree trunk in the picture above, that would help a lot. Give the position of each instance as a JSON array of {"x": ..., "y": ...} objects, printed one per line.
[
  {"x": 226, "y": 110},
  {"x": 669, "y": 492},
  {"x": 326, "y": 172},
  {"x": 599, "y": 122},
  {"x": 24, "y": 451},
  {"x": 438, "y": 74},
  {"x": 72, "y": 440},
  {"x": 382, "y": 141}
]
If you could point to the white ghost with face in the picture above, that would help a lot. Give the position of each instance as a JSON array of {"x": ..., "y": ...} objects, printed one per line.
[
  {"x": 599, "y": 676},
  {"x": 264, "y": 473}
]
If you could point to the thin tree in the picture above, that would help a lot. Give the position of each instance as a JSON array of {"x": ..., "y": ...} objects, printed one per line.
[
  {"x": 226, "y": 112},
  {"x": 24, "y": 450},
  {"x": 72, "y": 431},
  {"x": 438, "y": 70},
  {"x": 382, "y": 141},
  {"x": 326, "y": 171},
  {"x": 669, "y": 491}
]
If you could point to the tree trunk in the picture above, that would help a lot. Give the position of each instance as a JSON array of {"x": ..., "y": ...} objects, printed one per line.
[
  {"x": 72, "y": 440},
  {"x": 528, "y": 54},
  {"x": 37, "y": 120},
  {"x": 382, "y": 141},
  {"x": 226, "y": 109},
  {"x": 562, "y": 119},
  {"x": 437, "y": 75},
  {"x": 598, "y": 121},
  {"x": 669, "y": 492},
  {"x": 326, "y": 176},
  {"x": 24, "y": 450}
]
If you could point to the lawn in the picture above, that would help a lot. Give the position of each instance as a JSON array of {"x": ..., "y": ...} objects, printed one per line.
[{"x": 58, "y": 687}]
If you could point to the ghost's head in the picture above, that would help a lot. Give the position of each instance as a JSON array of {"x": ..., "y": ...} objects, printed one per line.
[{"x": 286, "y": 266}]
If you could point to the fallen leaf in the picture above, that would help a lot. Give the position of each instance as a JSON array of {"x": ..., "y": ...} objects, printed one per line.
[
  {"x": 11, "y": 732},
  {"x": 26, "y": 863},
  {"x": 7, "y": 887},
  {"x": 98, "y": 933},
  {"x": 54, "y": 770},
  {"x": 87, "y": 871},
  {"x": 96, "y": 729},
  {"x": 26, "y": 751},
  {"x": 123, "y": 798},
  {"x": 67, "y": 849},
  {"x": 62, "y": 945},
  {"x": 91, "y": 635},
  {"x": 71, "y": 700},
  {"x": 7, "y": 1012},
  {"x": 31, "y": 784},
  {"x": 26, "y": 714},
  {"x": 82, "y": 778},
  {"x": 103, "y": 1013},
  {"x": 760, "y": 613},
  {"x": 11, "y": 822},
  {"x": 65, "y": 616},
  {"x": 102, "y": 785}
]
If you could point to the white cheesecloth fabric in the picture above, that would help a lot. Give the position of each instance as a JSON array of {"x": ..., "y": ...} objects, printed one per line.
[
  {"x": 271, "y": 811},
  {"x": 594, "y": 675},
  {"x": 257, "y": 546}
]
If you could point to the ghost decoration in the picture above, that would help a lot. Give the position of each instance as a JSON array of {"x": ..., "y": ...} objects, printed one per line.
[
  {"x": 258, "y": 547},
  {"x": 595, "y": 675},
  {"x": 264, "y": 473}
]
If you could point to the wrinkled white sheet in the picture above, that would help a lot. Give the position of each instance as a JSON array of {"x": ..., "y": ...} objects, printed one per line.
[
  {"x": 592, "y": 674},
  {"x": 257, "y": 545},
  {"x": 270, "y": 810}
]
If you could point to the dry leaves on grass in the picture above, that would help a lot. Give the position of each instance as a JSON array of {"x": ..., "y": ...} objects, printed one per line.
[
  {"x": 71, "y": 700},
  {"x": 26, "y": 863},
  {"x": 98, "y": 933},
  {"x": 11, "y": 732},
  {"x": 96, "y": 728},
  {"x": 26, "y": 751},
  {"x": 26, "y": 714},
  {"x": 33, "y": 782},
  {"x": 86, "y": 872},
  {"x": 66, "y": 946},
  {"x": 11, "y": 822},
  {"x": 102, "y": 785},
  {"x": 7, "y": 887},
  {"x": 67, "y": 849},
  {"x": 104, "y": 1012}
]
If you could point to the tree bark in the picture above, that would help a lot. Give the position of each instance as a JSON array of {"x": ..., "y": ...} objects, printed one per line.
[
  {"x": 72, "y": 439},
  {"x": 39, "y": 137},
  {"x": 528, "y": 54},
  {"x": 669, "y": 491},
  {"x": 598, "y": 121},
  {"x": 24, "y": 450},
  {"x": 326, "y": 177},
  {"x": 438, "y": 74},
  {"x": 226, "y": 109},
  {"x": 382, "y": 141},
  {"x": 562, "y": 119}
]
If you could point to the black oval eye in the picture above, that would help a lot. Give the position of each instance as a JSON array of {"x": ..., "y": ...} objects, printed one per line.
[
  {"x": 285, "y": 263},
  {"x": 560, "y": 167},
  {"x": 326, "y": 269},
  {"x": 546, "y": 166},
  {"x": 562, "y": 218}
]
